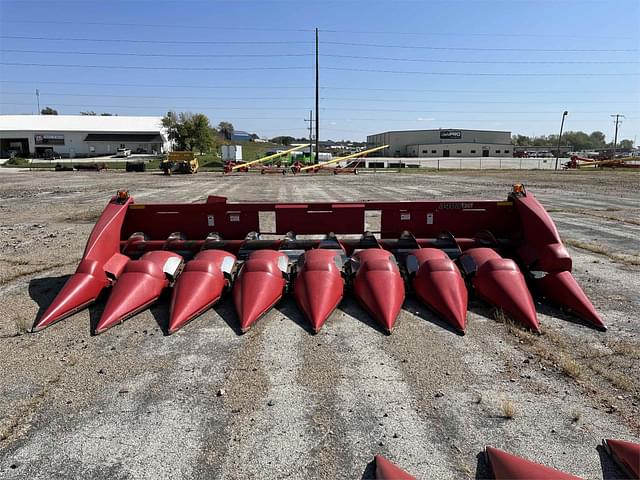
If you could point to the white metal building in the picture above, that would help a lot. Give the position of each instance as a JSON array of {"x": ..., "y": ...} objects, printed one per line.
[
  {"x": 443, "y": 143},
  {"x": 80, "y": 135}
]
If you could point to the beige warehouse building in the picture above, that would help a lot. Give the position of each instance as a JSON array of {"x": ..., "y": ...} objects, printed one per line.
[{"x": 443, "y": 143}]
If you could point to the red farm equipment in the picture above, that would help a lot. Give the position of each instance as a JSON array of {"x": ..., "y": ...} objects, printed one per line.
[
  {"x": 498, "y": 251},
  {"x": 580, "y": 162},
  {"x": 507, "y": 466}
]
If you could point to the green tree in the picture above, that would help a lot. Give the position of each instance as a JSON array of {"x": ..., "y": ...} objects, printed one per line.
[
  {"x": 226, "y": 130},
  {"x": 598, "y": 139},
  {"x": 188, "y": 131},
  {"x": 48, "y": 111},
  {"x": 626, "y": 144},
  {"x": 170, "y": 122},
  {"x": 89, "y": 113},
  {"x": 283, "y": 140},
  {"x": 199, "y": 132}
]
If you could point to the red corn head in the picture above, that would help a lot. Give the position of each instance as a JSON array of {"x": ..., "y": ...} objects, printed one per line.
[
  {"x": 379, "y": 286},
  {"x": 319, "y": 286},
  {"x": 259, "y": 286},
  {"x": 199, "y": 286},
  {"x": 499, "y": 282},
  {"x": 562, "y": 289},
  {"x": 626, "y": 455},
  {"x": 81, "y": 289},
  {"x": 506, "y": 466},
  {"x": 439, "y": 284},
  {"x": 386, "y": 470},
  {"x": 140, "y": 284}
]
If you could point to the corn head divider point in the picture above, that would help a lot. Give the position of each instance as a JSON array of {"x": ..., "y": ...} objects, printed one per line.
[{"x": 442, "y": 251}]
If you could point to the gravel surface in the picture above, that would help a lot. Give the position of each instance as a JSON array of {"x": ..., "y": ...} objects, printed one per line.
[{"x": 278, "y": 402}]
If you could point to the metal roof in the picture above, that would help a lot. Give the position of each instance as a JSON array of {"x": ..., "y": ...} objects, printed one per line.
[{"x": 79, "y": 123}]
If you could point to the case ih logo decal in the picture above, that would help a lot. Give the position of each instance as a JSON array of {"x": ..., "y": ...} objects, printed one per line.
[
  {"x": 445, "y": 134},
  {"x": 455, "y": 205}
]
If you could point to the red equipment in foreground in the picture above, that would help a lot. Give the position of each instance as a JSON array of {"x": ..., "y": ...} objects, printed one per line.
[
  {"x": 439, "y": 285},
  {"x": 378, "y": 285},
  {"x": 501, "y": 247},
  {"x": 319, "y": 286},
  {"x": 626, "y": 455},
  {"x": 200, "y": 286},
  {"x": 140, "y": 284},
  {"x": 500, "y": 282},
  {"x": 386, "y": 470},
  {"x": 505, "y": 466},
  {"x": 260, "y": 285}
]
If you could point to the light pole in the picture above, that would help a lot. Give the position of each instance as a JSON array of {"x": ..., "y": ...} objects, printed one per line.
[{"x": 560, "y": 137}]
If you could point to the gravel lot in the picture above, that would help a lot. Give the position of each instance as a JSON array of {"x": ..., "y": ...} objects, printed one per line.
[{"x": 281, "y": 403}]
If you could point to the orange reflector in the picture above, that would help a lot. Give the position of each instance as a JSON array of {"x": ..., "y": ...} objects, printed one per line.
[
  {"x": 518, "y": 188},
  {"x": 122, "y": 195}
]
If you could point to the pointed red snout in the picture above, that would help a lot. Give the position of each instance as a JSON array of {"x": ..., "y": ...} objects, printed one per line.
[
  {"x": 506, "y": 466},
  {"x": 259, "y": 286},
  {"x": 626, "y": 454},
  {"x": 386, "y": 470},
  {"x": 439, "y": 285},
  {"x": 562, "y": 289},
  {"x": 140, "y": 284},
  {"x": 81, "y": 289},
  {"x": 319, "y": 286},
  {"x": 500, "y": 282},
  {"x": 379, "y": 286},
  {"x": 199, "y": 286}
]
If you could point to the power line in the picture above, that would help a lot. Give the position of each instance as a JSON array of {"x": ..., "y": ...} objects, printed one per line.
[
  {"x": 136, "y": 67},
  {"x": 219, "y": 107},
  {"x": 165, "y": 97},
  {"x": 342, "y": 69},
  {"x": 170, "y": 55},
  {"x": 506, "y": 62},
  {"x": 148, "y": 85},
  {"x": 163, "y": 42},
  {"x": 340, "y": 99},
  {"x": 289, "y": 87},
  {"x": 481, "y": 74},
  {"x": 304, "y": 42},
  {"x": 328, "y": 55},
  {"x": 308, "y": 30},
  {"x": 479, "y": 49}
]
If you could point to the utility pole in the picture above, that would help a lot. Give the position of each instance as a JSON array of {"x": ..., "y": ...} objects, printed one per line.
[
  {"x": 559, "y": 137},
  {"x": 615, "y": 137},
  {"x": 310, "y": 120},
  {"x": 38, "y": 99},
  {"x": 317, "y": 102}
]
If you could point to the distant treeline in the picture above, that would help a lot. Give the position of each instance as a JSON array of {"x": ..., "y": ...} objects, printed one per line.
[{"x": 577, "y": 140}]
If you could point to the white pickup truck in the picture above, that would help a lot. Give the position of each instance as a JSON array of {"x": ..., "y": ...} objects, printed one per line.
[{"x": 123, "y": 152}]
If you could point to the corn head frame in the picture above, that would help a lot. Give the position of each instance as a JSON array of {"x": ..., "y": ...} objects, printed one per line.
[{"x": 500, "y": 251}]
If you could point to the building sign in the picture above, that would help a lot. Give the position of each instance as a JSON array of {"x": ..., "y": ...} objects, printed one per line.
[
  {"x": 42, "y": 139},
  {"x": 448, "y": 134}
]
